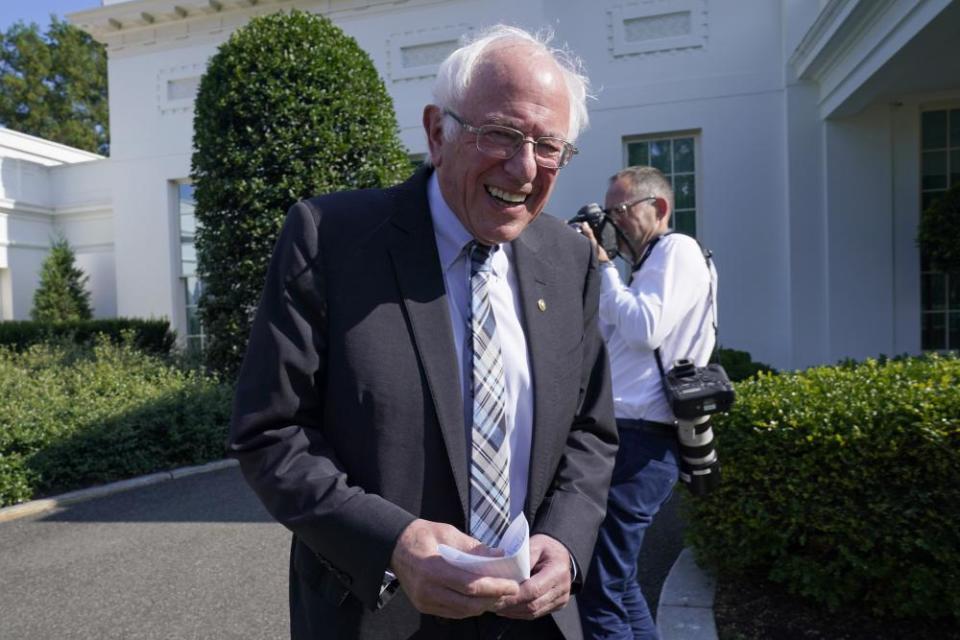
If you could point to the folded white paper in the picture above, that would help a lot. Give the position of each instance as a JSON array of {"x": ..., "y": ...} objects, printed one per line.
[{"x": 514, "y": 564}]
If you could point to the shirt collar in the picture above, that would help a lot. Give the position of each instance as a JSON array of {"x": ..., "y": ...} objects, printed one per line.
[{"x": 451, "y": 235}]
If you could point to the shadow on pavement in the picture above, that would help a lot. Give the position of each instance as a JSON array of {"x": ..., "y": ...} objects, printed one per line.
[{"x": 220, "y": 496}]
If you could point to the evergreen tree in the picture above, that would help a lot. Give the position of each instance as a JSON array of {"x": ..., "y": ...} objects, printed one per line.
[
  {"x": 54, "y": 85},
  {"x": 289, "y": 107},
  {"x": 62, "y": 293}
]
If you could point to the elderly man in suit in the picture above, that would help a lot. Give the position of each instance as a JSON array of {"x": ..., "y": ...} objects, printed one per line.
[{"x": 425, "y": 365}]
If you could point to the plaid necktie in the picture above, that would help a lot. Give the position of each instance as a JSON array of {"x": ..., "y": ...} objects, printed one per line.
[{"x": 490, "y": 451}]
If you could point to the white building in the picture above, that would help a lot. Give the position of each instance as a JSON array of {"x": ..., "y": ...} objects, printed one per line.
[{"x": 802, "y": 138}]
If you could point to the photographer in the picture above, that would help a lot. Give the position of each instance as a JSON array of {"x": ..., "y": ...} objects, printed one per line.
[{"x": 665, "y": 305}]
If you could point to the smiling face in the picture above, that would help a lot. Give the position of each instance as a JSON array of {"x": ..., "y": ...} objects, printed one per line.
[{"x": 495, "y": 199}]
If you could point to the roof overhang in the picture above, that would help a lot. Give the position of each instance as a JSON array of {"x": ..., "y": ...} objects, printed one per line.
[{"x": 863, "y": 51}]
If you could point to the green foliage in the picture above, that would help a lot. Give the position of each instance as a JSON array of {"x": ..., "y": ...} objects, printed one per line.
[
  {"x": 842, "y": 483},
  {"x": 289, "y": 107},
  {"x": 939, "y": 234},
  {"x": 55, "y": 85},
  {"x": 62, "y": 294},
  {"x": 739, "y": 365},
  {"x": 75, "y": 416},
  {"x": 152, "y": 336}
]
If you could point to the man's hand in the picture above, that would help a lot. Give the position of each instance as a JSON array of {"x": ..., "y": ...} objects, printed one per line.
[
  {"x": 548, "y": 588},
  {"x": 588, "y": 232},
  {"x": 438, "y": 588}
]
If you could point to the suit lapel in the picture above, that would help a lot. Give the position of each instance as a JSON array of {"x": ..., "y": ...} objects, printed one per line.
[
  {"x": 534, "y": 276},
  {"x": 420, "y": 280}
]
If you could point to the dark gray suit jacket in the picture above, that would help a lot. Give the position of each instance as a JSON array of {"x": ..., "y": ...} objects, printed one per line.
[{"x": 348, "y": 419}]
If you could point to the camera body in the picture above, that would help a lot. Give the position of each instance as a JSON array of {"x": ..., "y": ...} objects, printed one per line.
[
  {"x": 697, "y": 391},
  {"x": 603, "y": 228},
  {"x": 694, "y": 393}
]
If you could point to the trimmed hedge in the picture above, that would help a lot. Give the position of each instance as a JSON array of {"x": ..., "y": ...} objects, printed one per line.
[
  {"x": 290, "y": 107},
  {"x": 76, "y": 416},
  {"x": 842, "y": 483},
  {"x": 739, "y": 365},
  {"x": 152, "y": 336}
]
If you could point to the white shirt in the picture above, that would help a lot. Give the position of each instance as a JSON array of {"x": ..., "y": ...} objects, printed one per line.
[
  {"x": 452, "y": 237},
  {"x": 667, "y": 305}
]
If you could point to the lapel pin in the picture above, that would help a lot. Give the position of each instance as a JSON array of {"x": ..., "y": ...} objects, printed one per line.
[{"x": 541, "y": 305}]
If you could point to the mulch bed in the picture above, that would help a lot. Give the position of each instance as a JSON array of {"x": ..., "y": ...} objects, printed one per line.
[{"x": 755, "y": 609}]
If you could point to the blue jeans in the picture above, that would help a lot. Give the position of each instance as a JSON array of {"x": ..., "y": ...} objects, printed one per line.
[{"x": 611, "y": 603}]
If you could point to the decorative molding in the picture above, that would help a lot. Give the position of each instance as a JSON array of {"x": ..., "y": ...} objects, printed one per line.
[
  {"x": 656, "y": 26},
  {"x": 177, "y": 87},
  {"x": 837, "y": 28},
  {"x": 418, "y": 54}
]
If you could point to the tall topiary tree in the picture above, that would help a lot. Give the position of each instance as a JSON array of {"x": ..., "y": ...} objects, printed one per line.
[
  {"x": 289, "y": 107},
  {"x": 62, "y": 294}
]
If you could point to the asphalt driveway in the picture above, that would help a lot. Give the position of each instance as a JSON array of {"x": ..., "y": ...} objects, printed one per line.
[{"x": 196, "y": 557}]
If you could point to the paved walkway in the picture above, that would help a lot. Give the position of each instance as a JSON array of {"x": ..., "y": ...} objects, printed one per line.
[{"x": 195, "y": 557}]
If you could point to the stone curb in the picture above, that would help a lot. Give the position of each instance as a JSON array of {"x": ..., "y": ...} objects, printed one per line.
[
  {"x": 35, "y": 507},
  {"x": 685, "y": 611}
]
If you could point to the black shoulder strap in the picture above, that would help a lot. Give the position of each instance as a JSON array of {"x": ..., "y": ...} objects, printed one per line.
[{"x": 707, "y": 258}]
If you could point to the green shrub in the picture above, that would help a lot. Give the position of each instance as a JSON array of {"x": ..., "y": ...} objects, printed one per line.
[
  {"x": 153, "y": 336},
  {"x": 739, "y": 365},
  {"x": 76, "y": 416},
  {"x": 289, "y": 107},
  {"x": 842, "y": 483}
]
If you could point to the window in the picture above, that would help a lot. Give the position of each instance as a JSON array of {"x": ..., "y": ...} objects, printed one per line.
[
  {"x": 939, "y": 170},
  {"x": 192, "y": 285},
  {"x": 675, "y": 156}
]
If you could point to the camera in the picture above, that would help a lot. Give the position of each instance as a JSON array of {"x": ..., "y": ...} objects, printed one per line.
[
  {"x": 694, "y": 394},
  {"x": 697, "y": 391},
  {"x": 603, "y": 228}
]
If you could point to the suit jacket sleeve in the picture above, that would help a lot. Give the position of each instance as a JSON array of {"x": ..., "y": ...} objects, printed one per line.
[
  {"x": 277, "y": 427},
  {"x": 574, "y": 508}
]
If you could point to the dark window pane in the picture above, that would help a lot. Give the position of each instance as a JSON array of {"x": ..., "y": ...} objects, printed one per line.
[
  {"x": 686, "y": 222},
  {"x": 955, "y": 166},
  {"x": 683, "y": 155},
  {"x": 955, "y": 128},
  {"x": 933, "y": 125},
  {"x": 953, "y": 286},
  {"x": 684, "y": 192},
  {"x": 953, "y": 339},
  {"x": 934, "y": 165},
  {"x": 193, "y": 322},
  {"x": 924, "y": 262},
  {"x": 193, "y": 289},
  {"x": 660, "y": 155},
  {"x": 638, "y": 153},
  {"x": 933, "y": 291},
  {"x": 934, "y": 334}
]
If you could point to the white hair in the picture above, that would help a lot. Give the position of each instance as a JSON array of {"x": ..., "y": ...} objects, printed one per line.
[{"x": 457, "y": 72}]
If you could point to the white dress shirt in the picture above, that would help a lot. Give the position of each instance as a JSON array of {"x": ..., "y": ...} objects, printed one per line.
[
  {"x": 504, "y": 292},
  {"x": 667, "y": 305}
]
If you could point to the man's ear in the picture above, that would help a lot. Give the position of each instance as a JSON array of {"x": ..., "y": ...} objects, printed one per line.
[
  {"x": 663, "y": 210},
  {"x": 433, "y": 126}
]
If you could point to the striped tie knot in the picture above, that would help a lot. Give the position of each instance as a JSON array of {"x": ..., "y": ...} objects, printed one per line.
[{"x": 480, "y": 257}]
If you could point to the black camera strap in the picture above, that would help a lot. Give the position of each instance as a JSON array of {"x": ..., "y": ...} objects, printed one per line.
[{"x": 708, "y": 258}]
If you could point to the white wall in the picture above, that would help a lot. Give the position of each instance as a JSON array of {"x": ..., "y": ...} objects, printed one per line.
[
  {"x": 811, "y": 221},
  {"x": 47, "y": 189}
]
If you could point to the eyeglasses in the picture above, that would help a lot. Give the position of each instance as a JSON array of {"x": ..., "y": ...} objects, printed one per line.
[
  {"x": 620, "y": 209},
  {"x": 504, "y": 142}
]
